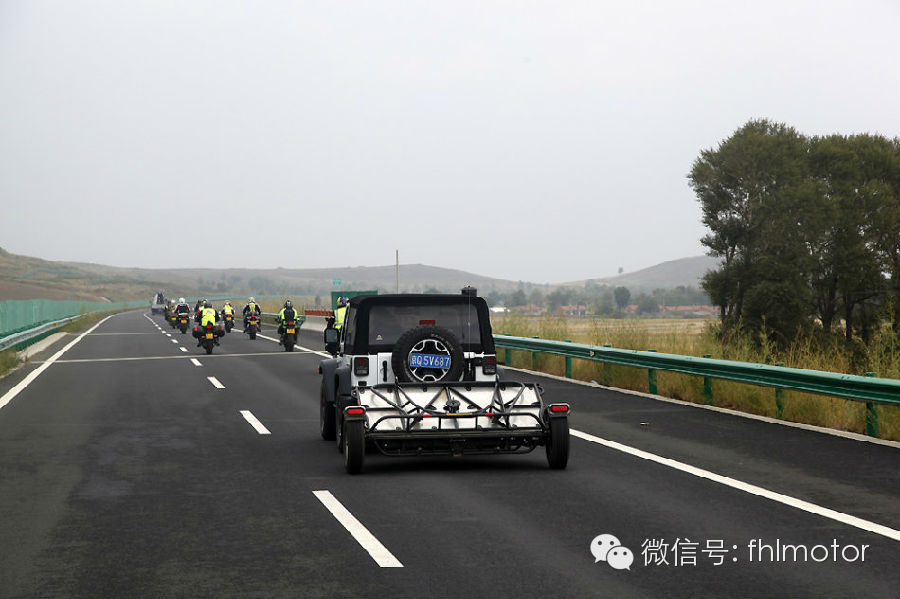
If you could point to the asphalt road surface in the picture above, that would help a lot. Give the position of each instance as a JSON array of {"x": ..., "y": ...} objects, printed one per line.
[{"x": 130, "y": 467}]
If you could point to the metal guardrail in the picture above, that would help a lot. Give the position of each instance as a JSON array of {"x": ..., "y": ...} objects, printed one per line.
[
  {"x": 29, "y": 334},
  {"x": 847, "y": 386}
]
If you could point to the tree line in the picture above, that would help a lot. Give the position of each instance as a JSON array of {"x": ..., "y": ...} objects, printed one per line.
[{"x": 807, "y": 228}]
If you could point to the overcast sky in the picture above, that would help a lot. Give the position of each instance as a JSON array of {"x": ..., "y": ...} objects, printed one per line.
[{"x": 540, "y": 141}]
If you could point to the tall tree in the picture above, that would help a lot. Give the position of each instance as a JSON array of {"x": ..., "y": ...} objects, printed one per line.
[
  {"x": 622, "y": 295},
  {"x": 755, "y": 195}
]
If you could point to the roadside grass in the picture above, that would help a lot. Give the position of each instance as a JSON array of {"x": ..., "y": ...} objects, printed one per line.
[
  {"x": 8, "y": 361},
  {"x": 698, "y": 338}
]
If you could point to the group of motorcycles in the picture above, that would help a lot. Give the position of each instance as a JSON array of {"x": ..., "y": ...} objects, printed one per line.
[{"x": 208, "y": 338}]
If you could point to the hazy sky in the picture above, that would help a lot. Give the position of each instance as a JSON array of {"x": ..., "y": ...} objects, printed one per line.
[{"x": 543, "y": 141}]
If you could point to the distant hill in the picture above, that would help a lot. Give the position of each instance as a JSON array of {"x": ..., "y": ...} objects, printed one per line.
[
  {"x": 23, "y": 277},
  {"x": 674, "y": 273}
]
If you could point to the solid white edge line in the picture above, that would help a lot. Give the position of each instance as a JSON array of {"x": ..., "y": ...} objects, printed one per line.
[
  {"x": 196, "y": 362},
  {"x": 366, "y": 539},
  {"x": 11, "y": 394},
  {"x": 746, "y": 487},
  {"x": 215, "y": 382},
  {"x": 254, "y": 422}
]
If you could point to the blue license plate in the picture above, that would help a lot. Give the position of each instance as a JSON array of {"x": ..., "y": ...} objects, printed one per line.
[{"x": 429, "y": 361}]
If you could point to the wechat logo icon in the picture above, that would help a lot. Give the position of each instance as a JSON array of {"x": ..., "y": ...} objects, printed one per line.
[{"x": 607, "y": 548}]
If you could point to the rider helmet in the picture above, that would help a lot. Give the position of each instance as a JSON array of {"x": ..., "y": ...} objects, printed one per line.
[
  {"x": 288, "y": 304},
  {"x": 180, "y": 300},
  {"x": 343, "y": 301},
  {"x": 207, "y": 304},
  {"x": 252, "y": 300}
]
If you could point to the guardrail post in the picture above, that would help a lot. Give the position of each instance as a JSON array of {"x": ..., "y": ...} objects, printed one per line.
[
  {"x": 568, "y": 363},
  {"x": 872, "y": 413},
  {"x": 535, "y": 357},
  {"x": 508, "y": 354},
  {"x": 707, "y": 387},
  {"x": 651, "y": 378},
  {"x": 606, "y": 376},
  {"x": 779, "y": 398}
]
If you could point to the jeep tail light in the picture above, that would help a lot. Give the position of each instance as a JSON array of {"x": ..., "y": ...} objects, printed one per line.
[
  {"x": 355, "y": 411},
  {"x": 489, "y": 366},
  {"x": 427, "y": 322},
  {"x": 361, "y": 366},
  {"x": 559, "y": 408}
]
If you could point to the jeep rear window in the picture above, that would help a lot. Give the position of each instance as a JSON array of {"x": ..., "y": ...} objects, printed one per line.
[{"x": 387, "y": 323}]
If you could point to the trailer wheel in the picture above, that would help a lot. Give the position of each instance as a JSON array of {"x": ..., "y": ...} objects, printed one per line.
[
  {"x": 558, "y": 443},
  {"x": 326, "y": 415},
  {"x": 354, "y": 445}
]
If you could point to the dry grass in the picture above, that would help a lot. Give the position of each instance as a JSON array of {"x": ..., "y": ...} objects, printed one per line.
[{"x": 697, "y": 338}]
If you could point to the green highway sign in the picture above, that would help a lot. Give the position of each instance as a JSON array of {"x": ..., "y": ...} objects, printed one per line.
[{"x": 335, "y": 281}]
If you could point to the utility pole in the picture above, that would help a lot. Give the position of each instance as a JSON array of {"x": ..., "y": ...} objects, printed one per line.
[{"x": 397, "y": 255}]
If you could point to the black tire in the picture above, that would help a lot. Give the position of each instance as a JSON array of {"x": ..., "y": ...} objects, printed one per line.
[
  {"x": 252, "y": 331},
  {"x": 209, "y": 346},
  {"x": 428, "y": 339},
  {"x": 558, "y": 443},
  {"x": 183, "y": 330},
  {"x": 326, "y": 415},
  {"x": 354, "y": 445},
  {"x": 338, "y": 427},
  {"x": 288, "y": 343}
]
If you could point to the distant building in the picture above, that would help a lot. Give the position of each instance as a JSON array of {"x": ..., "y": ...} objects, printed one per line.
[
  {"x": 530, "y": 310},
  {"x": 572, "y": 310}
]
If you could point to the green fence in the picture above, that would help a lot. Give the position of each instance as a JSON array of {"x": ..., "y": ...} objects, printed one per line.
[
  {"x": 860, "y": 388},
  {"x": 20, "y": 315}
]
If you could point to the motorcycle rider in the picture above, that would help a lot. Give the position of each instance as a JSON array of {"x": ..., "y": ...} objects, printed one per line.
[
  {"x": 251, "y": 306},
  {"x": 227, "y": 309},
  {"x": 207, "y": 315},
  {"x": 287, "y": 313},
  {"x": 182, "y": 307},
  {"x": 340, "y": 312}
]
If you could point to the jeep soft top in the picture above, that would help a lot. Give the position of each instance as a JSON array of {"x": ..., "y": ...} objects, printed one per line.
[{"x": 374, "y": 323}]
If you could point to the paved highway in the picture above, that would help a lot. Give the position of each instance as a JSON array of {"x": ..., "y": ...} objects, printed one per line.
[{"x": 134, "y": 465}]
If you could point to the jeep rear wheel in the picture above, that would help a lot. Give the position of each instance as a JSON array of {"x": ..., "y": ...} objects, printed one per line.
[{"x": 326, "y": 414}]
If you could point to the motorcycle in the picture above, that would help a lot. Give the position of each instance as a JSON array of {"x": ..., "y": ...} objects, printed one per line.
[
  {"x": 289, "y": 335},
  {"x": 252, "y": 324},
  {"x": 229, "y": 322},
  {"x": 208, "y": 336},
  {"x": 183, "y": 321}
]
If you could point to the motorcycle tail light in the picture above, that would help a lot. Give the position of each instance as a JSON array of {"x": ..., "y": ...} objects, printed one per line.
[
  {"x": 361, "y": 366},
  {"x": 355, "y": 411},
  {"x": 559, "y": 407}
]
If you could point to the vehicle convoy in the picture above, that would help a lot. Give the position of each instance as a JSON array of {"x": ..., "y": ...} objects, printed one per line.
[{"x": 417, "y": 375}]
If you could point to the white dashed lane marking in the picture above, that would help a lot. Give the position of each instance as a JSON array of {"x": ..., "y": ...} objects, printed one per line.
[
  {"x": 215, "y": 382},
  {"x": 254, "y": 422}
]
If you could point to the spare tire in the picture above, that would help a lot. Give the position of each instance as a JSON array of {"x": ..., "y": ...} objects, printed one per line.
[{"x": 427, "y": 354}]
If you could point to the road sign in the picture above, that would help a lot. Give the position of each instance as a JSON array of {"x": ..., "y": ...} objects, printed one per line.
[{"x": 335, "y": 281}]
